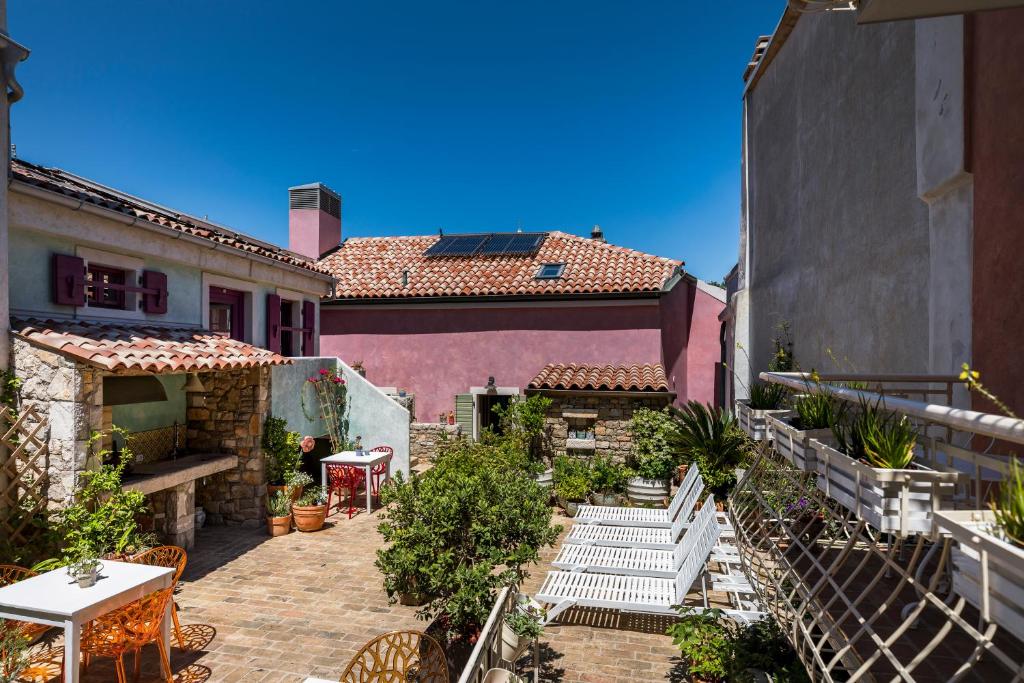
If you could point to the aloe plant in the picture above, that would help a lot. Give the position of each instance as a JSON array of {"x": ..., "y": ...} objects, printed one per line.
[
  {"x": 764, "y": 396},
  {"x": 816, "y": 410},
  {"x": 876, "y": 437},
  {"x": 1009, "y": 510}
]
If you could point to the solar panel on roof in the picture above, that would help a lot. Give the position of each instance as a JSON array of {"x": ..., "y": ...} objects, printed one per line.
[{"x": 492, "y": 244}]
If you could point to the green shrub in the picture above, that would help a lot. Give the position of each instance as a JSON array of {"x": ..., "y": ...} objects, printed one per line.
[
  {"x": 462, "y": 530},
  {"x": 654, "y": 453},
  {"x": 764, "y": 396},
  {"x": 572, "y": 478},
  {"x": 877, "y": 437},
  {"x": 607, "y": 476},
  {"x": 524, "y": 425},
  {"x": 710, "y": 439},
  {"x": 282, "y": 450},
  {"x": 14, "y": 653},
  {"x": 280, "y": 504}
]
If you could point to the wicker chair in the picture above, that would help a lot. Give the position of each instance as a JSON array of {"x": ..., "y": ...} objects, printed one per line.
[
  {"x": 378, "y": 471},
  {"x": 12, "y": 573},
  {"x": 128, "y": 629},
  {"x": 167, "y": 556},
  {"x": 398, "y": 657}
]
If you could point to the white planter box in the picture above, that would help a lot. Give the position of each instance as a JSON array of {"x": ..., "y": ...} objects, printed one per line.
[
  {"x": 753, "y": 421},
  {"x": 795, "y": 445},
  {"x": 893, "y": 501},
  {"x": 1003, "y": 564},
  {"x": 647, "y": 491}
]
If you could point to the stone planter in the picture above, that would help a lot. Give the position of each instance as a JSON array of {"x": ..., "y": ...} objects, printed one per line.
[
  {"x": 795, "y": 445},
  {"x": 279, "y": 526},
  {"x": 752, "y": 421},
  {"x": 571, "y": 507},
  {"x": 979, "y": 552},
  {"x": 893, "y": 501},
  {"x": 309, "y": 517},
  {"x": 604, "y": 499},
  {"x": 647, "y": 491},
  {"x": 546, "y": 478}
]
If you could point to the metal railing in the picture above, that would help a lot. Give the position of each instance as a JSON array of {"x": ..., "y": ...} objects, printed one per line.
[{"x": 486, "y": 654}]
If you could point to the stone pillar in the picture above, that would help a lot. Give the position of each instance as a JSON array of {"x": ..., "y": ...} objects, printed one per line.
[{"x": 180, "y": 515}]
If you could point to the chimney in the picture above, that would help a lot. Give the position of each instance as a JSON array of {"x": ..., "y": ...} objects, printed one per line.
[
  {"x": 597, "y": 234},
  {"x": 314, "y": 219}
]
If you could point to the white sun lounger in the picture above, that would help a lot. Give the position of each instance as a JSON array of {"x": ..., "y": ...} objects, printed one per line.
[
  {"x": 628, "y": 536},
  {"x": 563, "y": 590},
  {"x": 682, "y": 504}
]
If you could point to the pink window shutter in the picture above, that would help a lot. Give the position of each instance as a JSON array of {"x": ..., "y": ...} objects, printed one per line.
[
  {"x": 308, "y": 327},
  {"x": 274, "y": 323},
  {"x": 157, "y": 301},
  {"x": 68, "y": 280}
]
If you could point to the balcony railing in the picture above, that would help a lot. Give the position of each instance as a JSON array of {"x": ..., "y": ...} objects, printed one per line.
[{"x": 889, "y": 575}]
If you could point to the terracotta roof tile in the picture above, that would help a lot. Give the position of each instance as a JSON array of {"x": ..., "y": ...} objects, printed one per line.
[
  {"x": 635, "y": 377},
  {"x": 373, "y": 268},
  {"x": 70, "y": 185},
  {"x": 145, "y": 347}
]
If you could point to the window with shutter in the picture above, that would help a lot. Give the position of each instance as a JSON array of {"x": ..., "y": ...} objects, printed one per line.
[
  {"x": 154, "y": 301},
  {"x": 274, "y": 323},
  {"x": 68, "y": 280},
  {"x": 308, "y": 326},
  {"x": 464, "y": 413}
]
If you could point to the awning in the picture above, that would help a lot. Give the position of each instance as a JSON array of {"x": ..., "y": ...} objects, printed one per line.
[
  {"x": 140, "y": 346},
  {"x": 585, "y": 377}
]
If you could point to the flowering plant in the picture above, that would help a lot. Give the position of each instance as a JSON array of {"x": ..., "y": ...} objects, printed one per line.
[
  {"x": 329, "y": 388},
  {"x": 307, "y": 444}
]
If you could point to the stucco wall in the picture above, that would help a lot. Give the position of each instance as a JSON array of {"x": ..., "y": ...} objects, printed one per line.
[
  {"x": 437, "y": 353},
  {"x": 704, "y": 349},
  {"x": 137, "y": 417},
  {"x": 675, "y": 320},
  {"x": 998, "y": 150},
  {"x": 838, "y": 238}
]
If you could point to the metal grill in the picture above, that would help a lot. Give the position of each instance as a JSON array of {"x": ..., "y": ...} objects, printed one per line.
[
  {"x": 859, "y": 605},
  {"x": 315, "y": 196}
]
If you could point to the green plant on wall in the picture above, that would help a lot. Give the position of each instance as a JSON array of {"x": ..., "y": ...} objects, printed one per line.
[
  {"x": 331, "y": 393},
  {"x": 524, "y": 424},
  {"x": 654, "y": 453},
  {"x": 281, "y": 449}
]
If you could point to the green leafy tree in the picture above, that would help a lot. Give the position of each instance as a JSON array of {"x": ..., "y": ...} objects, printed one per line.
[
  {"x": 524, "y": 425},
  {"x": 654, "y": 453},
  {"x": 282, "y": 450}
]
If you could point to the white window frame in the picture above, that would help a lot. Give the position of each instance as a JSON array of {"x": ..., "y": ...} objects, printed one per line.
[
  {"x": 540, "y": 270},
  {"x": 478, "y": 391}
]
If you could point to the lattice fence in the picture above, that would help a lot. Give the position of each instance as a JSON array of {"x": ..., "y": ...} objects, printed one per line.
[
  {"x": 859, "y": 605},
  {"x": 22, "y": 476}
]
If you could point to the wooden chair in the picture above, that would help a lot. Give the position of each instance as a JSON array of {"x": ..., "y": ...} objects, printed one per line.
[
  {"x": 398, "y": 657},
  {"x": 128, "y": 629},
  {"x": 168, "y": 556},
  {"x": 378, "y": 471},
  {"x": 12, "y": 573},
  {"x": 342, "y": 478}
]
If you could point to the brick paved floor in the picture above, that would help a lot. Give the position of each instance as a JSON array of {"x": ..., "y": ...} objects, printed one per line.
[{"x": 263, "y": 609}]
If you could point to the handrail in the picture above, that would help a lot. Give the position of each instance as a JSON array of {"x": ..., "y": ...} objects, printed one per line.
[
  {"x": 986, "y": 424},
  {"x": 489, "y": 640}
]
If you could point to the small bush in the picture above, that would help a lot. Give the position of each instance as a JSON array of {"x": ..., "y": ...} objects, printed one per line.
[
  {"x": 608, "y": 476},
  {"x": 710, "y": 439},
  {"x": 654, "y": 454},
  {"x": 282, "y": 450},
  {"x": 572, "y": 478},
  {"x": 815, "y": 410}
]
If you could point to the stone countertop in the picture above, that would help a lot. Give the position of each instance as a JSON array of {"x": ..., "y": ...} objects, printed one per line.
[{"x": 164, "y": 474}]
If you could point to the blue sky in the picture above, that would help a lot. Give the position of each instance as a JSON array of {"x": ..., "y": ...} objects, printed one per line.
[{"x": 467, "y": 116}]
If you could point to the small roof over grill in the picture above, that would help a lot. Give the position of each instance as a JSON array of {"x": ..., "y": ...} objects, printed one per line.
[
  {"x": 584, "y": 377},
  {"x": 150, "y": 348}
]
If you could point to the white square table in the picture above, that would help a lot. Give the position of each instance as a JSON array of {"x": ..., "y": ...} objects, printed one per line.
[
  {"x": 55, "y": 599},
  {"x": 367, "y": 461}
]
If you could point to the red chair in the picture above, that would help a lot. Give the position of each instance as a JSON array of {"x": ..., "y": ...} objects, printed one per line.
[
  {"x": 378, "y": 471},
  {"x": 341, "y": 478}
]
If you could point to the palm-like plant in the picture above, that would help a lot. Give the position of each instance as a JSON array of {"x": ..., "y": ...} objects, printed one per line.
[
  {"x": 764, "y": 396},
  {"x": 711, "y": 439}
]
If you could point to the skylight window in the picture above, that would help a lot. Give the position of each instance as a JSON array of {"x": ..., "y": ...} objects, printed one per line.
[{"x": 550, "y": 271}]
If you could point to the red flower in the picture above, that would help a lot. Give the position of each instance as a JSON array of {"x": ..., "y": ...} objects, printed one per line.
[
  {"x": 312, "y": 379},
  {"x": 323, "y": 371}
]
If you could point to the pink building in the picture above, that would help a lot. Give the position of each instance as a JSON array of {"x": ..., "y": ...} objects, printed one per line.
[{"x": 444, "y": 316}]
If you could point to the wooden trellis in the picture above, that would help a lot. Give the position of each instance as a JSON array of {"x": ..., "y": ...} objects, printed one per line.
[{"x": 22, "y": 475}]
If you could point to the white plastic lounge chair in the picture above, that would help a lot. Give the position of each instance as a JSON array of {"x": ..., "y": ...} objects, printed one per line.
[
  {"x": 628, "y": 536},
  {"x": 682, "y": 504},
  {"x": 563, "y": 590}
]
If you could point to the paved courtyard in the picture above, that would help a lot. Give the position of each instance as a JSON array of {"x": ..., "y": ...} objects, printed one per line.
[{"x": 257, "y": 608}]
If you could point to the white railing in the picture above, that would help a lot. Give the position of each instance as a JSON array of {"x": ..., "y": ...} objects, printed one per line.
[{"x": 486, "y": 655}]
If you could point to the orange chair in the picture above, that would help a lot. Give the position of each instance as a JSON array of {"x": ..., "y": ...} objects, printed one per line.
[
  {"x": 377, "y": 472},
  {"x": 398, "y": 656},
  {"x": 12, "y": 573},
  {"x": 167, "y": 556},
  {"x": 128, "y": 629}
]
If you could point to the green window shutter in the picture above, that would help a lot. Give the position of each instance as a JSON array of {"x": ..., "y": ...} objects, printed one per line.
[{"x": 464, "y": 413}]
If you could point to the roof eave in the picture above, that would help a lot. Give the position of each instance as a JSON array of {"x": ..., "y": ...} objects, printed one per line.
[{"x": 573, "y": 296}]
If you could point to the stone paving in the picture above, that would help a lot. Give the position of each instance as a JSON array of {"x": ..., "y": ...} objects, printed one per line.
[{"x": 256, "y": 608}]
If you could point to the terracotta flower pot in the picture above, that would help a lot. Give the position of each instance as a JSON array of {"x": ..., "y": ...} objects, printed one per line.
[
  {"x": 309, "y": 517},
  {"x": 279, "y": 526},
  {"x": 272, "y": 490}
]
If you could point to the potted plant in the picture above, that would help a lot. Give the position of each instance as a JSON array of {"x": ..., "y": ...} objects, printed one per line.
[
  {"x": 572, "y": 483},
  {"x": 85, "y": 569},
  {"x": 705, "y": 642},
  {"x": 765, "y": 399},
  {"x": 310, "y": 511},
  {"x": 279, "y": 513},
  {"x": 813, "y": 416},
  {"x": 283, "y": 454},
  {"x": 524, "y": 624},
  {"x": 709, "y": 438},
  {"x": 607, "y": 479},
  {"x": 872, "y": 471},
  {"x": 653, "y": 456}
]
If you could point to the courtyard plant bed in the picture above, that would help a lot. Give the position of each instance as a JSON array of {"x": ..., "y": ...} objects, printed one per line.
[
  {"x": 765, "y": 399},
  {"x": 872, "y": 471},
  {"x": 983, "y": 549}
]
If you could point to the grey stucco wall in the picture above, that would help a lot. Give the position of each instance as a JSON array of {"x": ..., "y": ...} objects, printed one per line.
[
  {"x": 137, "y": 417},
  {"x": 371, "y": 413},
  {"x": 838, "y": 237}
]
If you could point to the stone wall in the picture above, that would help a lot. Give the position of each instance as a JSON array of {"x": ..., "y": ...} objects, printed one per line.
[
  {"x": 229, "y": 418},
  {"x": 423, "y": 440},
  {"x": 69, "y": 397},
  {"x": 606, "y": 416}
]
